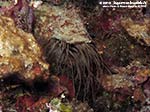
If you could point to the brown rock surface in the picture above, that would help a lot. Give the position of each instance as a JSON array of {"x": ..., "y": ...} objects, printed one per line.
[{"x": 19, "y": 52}]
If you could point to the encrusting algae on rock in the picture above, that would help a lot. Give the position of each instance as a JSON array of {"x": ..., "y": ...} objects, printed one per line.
[
  {"x": 138, "y": 30},
  {"x": 19, "y": 53}
]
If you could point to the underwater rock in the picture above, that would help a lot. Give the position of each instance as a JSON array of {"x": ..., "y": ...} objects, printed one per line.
[
  {"x": 19, "y": 53},
  {"x": 138, "y": 30}
]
